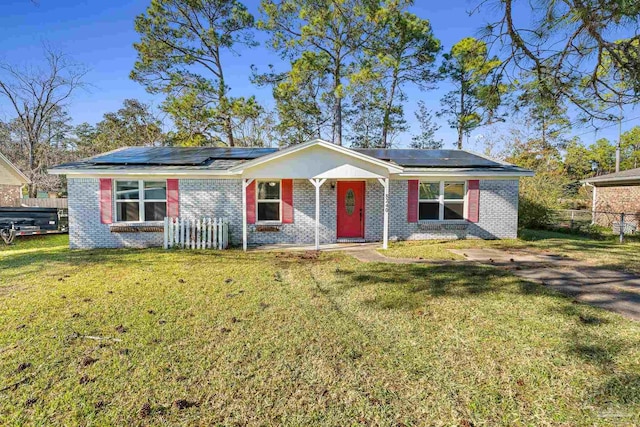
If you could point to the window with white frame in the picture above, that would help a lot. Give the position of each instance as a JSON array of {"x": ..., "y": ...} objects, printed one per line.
[
  {"x": 141, "y": 200},
  {"x": 441, "y": 200},
  {"x": 269, "y": 201}
]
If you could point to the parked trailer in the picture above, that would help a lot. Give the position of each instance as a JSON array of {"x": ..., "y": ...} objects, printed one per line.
[{"x": 29, "y": 221}]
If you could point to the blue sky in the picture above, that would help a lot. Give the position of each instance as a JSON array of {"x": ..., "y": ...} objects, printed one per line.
[{"x": 100, "y": 35}]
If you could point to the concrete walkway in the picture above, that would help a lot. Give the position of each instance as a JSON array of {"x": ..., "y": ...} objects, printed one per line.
[
  {"x": 612, "y": 290},
  {"x": 609, "y": 289}
]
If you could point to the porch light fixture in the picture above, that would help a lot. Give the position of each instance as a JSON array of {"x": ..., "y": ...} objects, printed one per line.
[{"x": 333, "y": 185}]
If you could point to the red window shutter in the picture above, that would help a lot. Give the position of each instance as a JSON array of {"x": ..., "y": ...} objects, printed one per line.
[
  {"x": 173, "y": 198},
  {"x": 251, "y": 203},
  {"x": 412, "y": 204},
  {"x": 106, "y": 200},
  {"x": 473, "y": 200},
  {"x": 286, "y": 186}
]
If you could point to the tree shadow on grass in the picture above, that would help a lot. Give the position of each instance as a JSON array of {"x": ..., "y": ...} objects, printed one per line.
[{"x": 405, "y": 286}]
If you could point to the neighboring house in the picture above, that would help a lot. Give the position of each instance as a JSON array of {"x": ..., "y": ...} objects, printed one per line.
[
  {"x": 11, "y": 183},
  {"x": 315, "y": 192},
  {"x": 616, "y": 193}
]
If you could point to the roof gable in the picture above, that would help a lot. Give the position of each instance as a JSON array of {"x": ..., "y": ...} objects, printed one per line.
[
  {"x": 10, "y": 174},
  {"x": 347, "y": 154}
]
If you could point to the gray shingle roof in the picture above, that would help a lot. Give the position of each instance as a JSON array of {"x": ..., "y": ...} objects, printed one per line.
[
  {"x": 628, "y": 175},
  {"x": 223, "y": 158}
]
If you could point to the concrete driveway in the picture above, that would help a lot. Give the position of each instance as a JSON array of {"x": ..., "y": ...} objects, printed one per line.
[{"x": 612, "y": 290}]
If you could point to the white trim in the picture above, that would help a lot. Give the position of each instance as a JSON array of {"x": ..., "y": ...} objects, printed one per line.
[
  {"x": 279, "y": 201},
  {"x": 89, "y": 173},
  {"x": 13, "y": 168},
  {"x": 442, "y": 201},
  {"x": 317, "y": 183},
  {"x": 467, "y": 174},
  {"x": 295, "y": 148},
  {"x": 141, "y": 200},
  {"x": 245, "y": 184},
  {"x": 385, "y": 209}
]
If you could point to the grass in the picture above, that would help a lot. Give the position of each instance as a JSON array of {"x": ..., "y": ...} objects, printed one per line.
[
  {"x": 227, "y": 338},
  {"x": 607, "y": 253}
]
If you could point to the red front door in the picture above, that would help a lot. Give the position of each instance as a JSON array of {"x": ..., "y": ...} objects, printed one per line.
[{"x": 350, "y": 209}]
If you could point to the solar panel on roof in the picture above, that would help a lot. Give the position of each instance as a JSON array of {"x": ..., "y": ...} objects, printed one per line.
[
  {"x": 430, "y": 158},
  {"x": 178, "y": 155}
]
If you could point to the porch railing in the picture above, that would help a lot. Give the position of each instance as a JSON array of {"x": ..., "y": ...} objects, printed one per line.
[{"x": 200, "y": 233}]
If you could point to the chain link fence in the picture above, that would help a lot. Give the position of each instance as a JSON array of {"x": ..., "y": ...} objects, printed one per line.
[{"x": 598, "y": 222}]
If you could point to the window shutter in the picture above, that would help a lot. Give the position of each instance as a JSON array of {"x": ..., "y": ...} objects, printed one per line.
[
  {"x": 286, "y": 186},
  {"x": 251, "y": 203},
  {"x": 173, "y": 198},
  {"x": 473, "y": 200},
  {"x": 106, "y": 200},
  {"x": 412, "y": 204}
]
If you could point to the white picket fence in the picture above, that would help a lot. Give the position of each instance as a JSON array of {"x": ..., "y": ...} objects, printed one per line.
[{"x": 201, "y": 233}]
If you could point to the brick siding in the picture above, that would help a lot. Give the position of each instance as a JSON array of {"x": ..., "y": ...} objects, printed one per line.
[
  {"x": 616, "y": 200},
  {"x": 222, "y": 198}
]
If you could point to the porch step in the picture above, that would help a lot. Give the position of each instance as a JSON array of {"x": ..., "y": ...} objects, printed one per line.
[{"x": 351, "y": 240}]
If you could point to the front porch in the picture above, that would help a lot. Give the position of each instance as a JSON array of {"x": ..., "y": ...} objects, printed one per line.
[
  {"x": 325, "y": 214},
  {"x": 316, "y": 192}
]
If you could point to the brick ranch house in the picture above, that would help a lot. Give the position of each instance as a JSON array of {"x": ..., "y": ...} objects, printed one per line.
[
  {"x": 315, "y": 192},
  {"x": 615, "y": 193},
  {"x": 11, "y": 183}
]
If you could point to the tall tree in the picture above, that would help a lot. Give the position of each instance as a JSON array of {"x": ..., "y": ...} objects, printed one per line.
[
  {"x": 545, "y": 112},
  {"x": 477, "y": 89},
  {"x": 328, "y": 32},
  {"x": 565, "y": 44},
  {"x": 135, "y": 124},
  {"x": 181, "y": 54},
  {"x": 603, "y": 154},
  {"x": 577, "y": 161},
  {"x": 402, "y": 51},
  {"x": 630, "y": 147},
  {"x": 38, "y": 97},
  {"x": 303, "y": 101},
  {"x": 426, "y": 139}
]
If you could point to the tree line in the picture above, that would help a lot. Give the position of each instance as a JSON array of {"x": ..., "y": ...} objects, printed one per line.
[{"x": 346, "y": 67}]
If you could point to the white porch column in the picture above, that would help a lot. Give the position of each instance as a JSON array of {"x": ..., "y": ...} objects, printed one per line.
[
  {"x": 385, "y": 208},
  {"x": 245, "y": 184},
  {"x": 317, "y": 183}
]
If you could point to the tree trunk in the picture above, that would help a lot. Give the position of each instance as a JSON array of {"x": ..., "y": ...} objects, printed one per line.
[
  {"x": 461, "y": 118},
  {"x": 228, "y": 129},
  {"x": 387, "y": 113},
  {"x": 337, "y": 109},
  {"x": 32, "y": 188}
]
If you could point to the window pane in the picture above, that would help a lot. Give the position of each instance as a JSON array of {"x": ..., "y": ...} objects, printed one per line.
[
  {"x": 268, "y": 211},
  {"x": 454, "y": 190},
  {"x": 429, "y": 210},
  {"x": 128, "y": 211},
  {"x": 155, "y": 190},
  {"x": 269, "y": 190},
  {"x": 155, "y": 211},
  {"x": 429, "y": 190},
  {"x": 127, "y": 190},
  {"x": 453, "y": 210}
]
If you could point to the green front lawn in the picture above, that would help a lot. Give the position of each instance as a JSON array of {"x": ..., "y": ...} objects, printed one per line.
[
  {"x": 227, "y": 338},
  {"x": 606, "y": 253}
]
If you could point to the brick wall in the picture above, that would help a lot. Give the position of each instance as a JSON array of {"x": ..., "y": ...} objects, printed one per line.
[
  {"x": 85, "y": 229},
  {"x": 222, "y": 198},
  {"x": 617, "y": 199},
  {"x": 498, "y": 215},
  {"x": 9, "y": 195}
]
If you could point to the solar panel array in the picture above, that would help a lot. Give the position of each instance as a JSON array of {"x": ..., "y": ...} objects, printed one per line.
[
  {"x": 178, "y": 155},
  {"x": 430, "y": 158}
]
